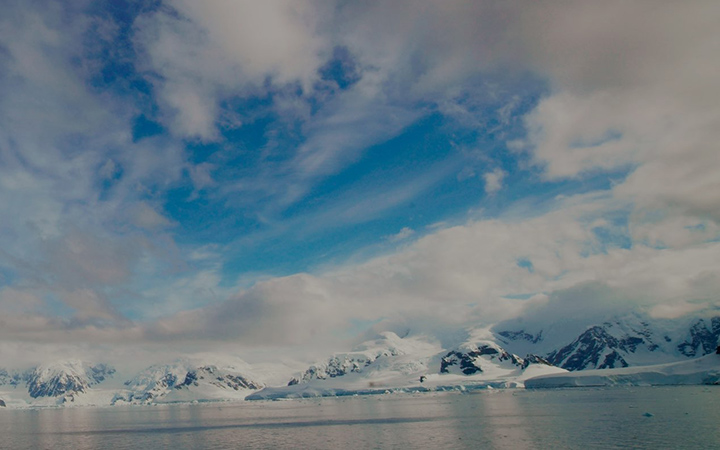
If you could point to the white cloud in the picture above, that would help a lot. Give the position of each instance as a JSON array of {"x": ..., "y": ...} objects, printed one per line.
[
  {"x": 674, "y": 231},
  {"x": 199, "y": 288},
  {"x": 73, "y": 184},
  {"x": 494, "y": 180},
  {"x": 146, "y": 217},
  {"x": 675, "y": 310},
  {"x": 89, "y": 305},
  {"x": 208, "y": 51},
  {"x": 17, "y": 301},
  {"x": 469, "y": 274},
  {"x": 401, "y": 235},
  {"x": 630, "y": 85}
]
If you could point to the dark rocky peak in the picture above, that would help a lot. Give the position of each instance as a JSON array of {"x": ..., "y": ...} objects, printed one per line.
[
  {"x": 216, "y": 377},
  {"x": 521, "y": 335},
  {"x": 534, "y": 359},
  {"x": 595, "y": 349},
  {"x": 701, "y": 339},
  {"x": 465, "y": 361},
  {"x": 470, "y": 358},
  {"x": 100, "y": 372}
]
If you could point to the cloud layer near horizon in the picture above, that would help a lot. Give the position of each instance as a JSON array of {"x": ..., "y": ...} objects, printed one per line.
[{"x": 95, "y": 247}]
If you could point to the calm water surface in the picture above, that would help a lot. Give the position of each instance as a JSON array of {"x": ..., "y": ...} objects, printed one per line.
[{"x": 653, "y": 418}]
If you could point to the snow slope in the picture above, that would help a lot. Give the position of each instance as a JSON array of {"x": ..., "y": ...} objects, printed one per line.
[
  {"x": 412, "y": 364},
  {"x": 388, "y": 356},
  {"x": 703, "y": 370}
]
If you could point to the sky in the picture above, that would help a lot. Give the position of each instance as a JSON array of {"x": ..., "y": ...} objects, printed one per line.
[{"x": 290, "y": 174}]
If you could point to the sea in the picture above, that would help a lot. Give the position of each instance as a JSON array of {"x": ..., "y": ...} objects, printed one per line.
[{"x": 682, "y": 417}]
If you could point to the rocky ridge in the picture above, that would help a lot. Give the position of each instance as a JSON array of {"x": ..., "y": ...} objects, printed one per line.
[{"x": 625, "y": 342}]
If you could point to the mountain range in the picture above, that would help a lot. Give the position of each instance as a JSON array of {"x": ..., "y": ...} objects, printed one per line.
[
  {"x": 505, "y": 355},
  {"x": 631, "y": 340}
]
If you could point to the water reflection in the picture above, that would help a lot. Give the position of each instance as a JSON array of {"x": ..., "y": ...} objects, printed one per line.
[
  {"x": 506, "y": 424},
  {"x": 682, "y": 418}
]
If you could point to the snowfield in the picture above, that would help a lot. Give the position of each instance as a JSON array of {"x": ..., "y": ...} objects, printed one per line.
[{"x": 703, "y": 370}]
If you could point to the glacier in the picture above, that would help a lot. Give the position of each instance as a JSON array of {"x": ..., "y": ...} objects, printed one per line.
[{"x": 702, "y": 370}]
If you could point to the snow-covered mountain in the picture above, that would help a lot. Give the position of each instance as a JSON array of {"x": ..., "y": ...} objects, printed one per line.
[
  {"x": 702, "y": 338},
  {"x": 189, "y": 380},
  {"x": 632, "y": 340},
  {"x": 57, "y": 383},
  {"x": 84, "y": 384},
  {"x": 505, "y": 355},
  {"x": 66, "y": 379},
  {"x": 387, "y": 353},
  {"x": 480, "y": 357},
  {"x": 413, "y": 363}
]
